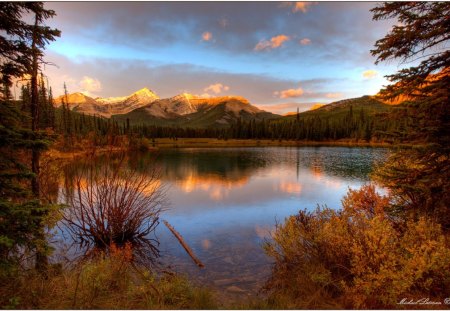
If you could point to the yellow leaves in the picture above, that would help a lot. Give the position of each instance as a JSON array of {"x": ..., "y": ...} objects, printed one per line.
[{"x": 360, "y": 255}]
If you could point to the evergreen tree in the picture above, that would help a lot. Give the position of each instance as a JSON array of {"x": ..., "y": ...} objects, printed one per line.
[
  {"x": 420, "y": 178},
  {"x": 21, "y": 52}
]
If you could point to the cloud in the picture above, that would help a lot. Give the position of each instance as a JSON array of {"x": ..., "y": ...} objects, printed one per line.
[
  {"x": 150, "y": 27},
  {"x": 207, "y": 36},
  {"x": 275, "y": 42},
  {"x": 168, "y": 80},
  {"x": 333, "y": 95},
  {"x": 305, "y": 41},
  {"x": 90, "y": 85},
  {"x": 216, "y": 88},
  {"x": 299, "y": 6},
  {"x": 290, "y": 93},
  {"x": 370, "y": 74}
]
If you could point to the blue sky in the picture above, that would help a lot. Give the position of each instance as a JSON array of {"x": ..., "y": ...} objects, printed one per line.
[{"x": 279, "y": 55}]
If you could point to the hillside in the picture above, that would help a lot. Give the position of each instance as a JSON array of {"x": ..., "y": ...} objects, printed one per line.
[
  {"x": 342, "y": 107},
  {"x": 187, "y": 110}
]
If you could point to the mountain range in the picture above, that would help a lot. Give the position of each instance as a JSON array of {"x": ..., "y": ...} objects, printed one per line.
[
  {"x": 187, "y": 110},
  {"x": 145, "y": 107},
  {"x": 107, "y": 107}
]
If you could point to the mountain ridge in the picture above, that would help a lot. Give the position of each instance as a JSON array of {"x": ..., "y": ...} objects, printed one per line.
[
  {"x": 185, "y": 109},
  {"x": 107, "y": 107},
  {"x": 189, "y": 110}
]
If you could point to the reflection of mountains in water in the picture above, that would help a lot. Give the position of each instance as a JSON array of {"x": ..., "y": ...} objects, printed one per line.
[{"x": 234, "y": 166}]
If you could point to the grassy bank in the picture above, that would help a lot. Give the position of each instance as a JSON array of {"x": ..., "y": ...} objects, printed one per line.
[
  {"x": 102, "y": 283},
  {"x": 144, "y": 144},
  {"x": 214, "y": 142},
  {"x": 73, "y": 154}
]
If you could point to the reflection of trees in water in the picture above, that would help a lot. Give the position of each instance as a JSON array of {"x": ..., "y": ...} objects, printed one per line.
[
  {"x": 230, "y": 166},
  {"x": 347, "y": 162},
  {"x": 233, "y": 165},
  {"x": 110, "y": 203}
]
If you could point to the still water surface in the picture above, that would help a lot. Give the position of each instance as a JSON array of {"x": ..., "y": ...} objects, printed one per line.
[{"x": 225, "y": 202}]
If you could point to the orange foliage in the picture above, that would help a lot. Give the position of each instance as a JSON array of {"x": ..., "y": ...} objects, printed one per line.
[{"x": 358, "y": 257}]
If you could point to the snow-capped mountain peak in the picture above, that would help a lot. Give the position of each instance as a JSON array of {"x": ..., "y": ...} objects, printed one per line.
[{"x": 145, "y": 92}]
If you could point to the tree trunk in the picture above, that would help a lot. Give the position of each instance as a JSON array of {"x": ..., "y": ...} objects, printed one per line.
[{"x": 41, "y": 256}]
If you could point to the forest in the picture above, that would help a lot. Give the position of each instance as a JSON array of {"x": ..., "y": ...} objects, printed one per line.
[
  {"x": 359, "y": 124},
  {"x": 370, "y": 254}
]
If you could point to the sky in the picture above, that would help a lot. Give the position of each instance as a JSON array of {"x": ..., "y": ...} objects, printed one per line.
[{"x": 279, "y": 55}]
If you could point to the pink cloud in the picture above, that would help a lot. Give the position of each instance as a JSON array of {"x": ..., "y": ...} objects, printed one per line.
[
  {"x": 207, "y": 36},
  {"x": 305, "y": 41},
  {"x": 299, "y": 6},
  {"x": 273, "y": 43},
  {"x": 90, "y": 85},
  {"x": 289, "y": 93},
  {"x": 217, "y": 88},
  {"x": 370, "y": 74}
]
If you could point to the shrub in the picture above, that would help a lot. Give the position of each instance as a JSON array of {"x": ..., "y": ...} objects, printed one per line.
[
  {"x": 112, "y": 204},
  {"x": 358, "y": 257}
]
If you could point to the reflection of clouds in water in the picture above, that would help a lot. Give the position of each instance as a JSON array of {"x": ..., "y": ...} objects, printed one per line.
[
  {"x": 259, "y": 175},
  {"x": 217, "y": 194},
  {"x": 264, "y": 232},
  {"x": 206, "y": 244},
  {"x": 317, "y": 172},
  {"x": 228, "y": 200},
  {"x": 205, "y": 183},
  {"x": 216, "y": 186},
  {"x": 290, "y": 187}
]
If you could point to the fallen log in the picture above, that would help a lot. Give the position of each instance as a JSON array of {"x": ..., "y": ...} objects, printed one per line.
[{"x": 185, "y": 246}]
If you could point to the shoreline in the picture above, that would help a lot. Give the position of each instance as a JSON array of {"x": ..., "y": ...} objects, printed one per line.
[
  {"x": 214, "y": 142},
  {"x": 167, "y": 143}
]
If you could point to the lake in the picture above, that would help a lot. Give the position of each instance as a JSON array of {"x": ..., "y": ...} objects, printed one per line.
[{"x": 225, "y": 202}]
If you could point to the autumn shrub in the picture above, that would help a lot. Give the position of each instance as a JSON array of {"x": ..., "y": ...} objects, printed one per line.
[
  {"x": 106, "y": 281},
  {"x": 111, "y": 203},
  {"x": 357, "y": 257}
]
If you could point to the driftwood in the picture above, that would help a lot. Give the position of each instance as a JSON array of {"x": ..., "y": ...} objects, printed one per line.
[{"x": 185, "y": 246}]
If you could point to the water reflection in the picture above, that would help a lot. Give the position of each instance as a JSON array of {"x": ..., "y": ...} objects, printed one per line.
[
  {"x": 225, "y": 202},
  {"x": 111, "y": 205}
]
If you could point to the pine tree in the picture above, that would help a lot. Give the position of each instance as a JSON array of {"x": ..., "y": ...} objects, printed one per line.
[
  {"x": 21, "y": 52},
  {"x": 420, "y": 178}
]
